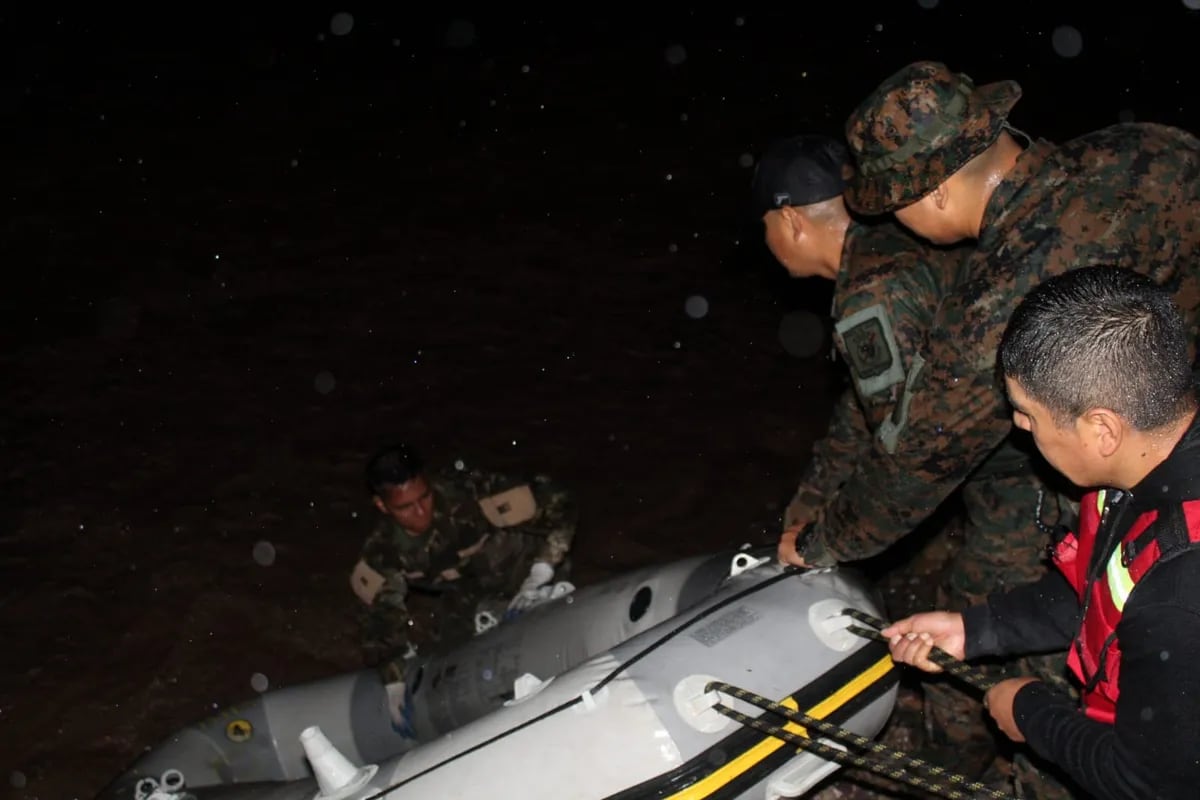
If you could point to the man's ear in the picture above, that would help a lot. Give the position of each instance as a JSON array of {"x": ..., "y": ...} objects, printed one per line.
[
  {"x": 1105, "y": 429},
  {"x": 794, "y": 220},
  {"x": 379, "y": 504},
  {"x": 940, "y": 196}
]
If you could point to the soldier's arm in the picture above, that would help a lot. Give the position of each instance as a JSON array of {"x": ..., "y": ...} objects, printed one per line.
[
  {"x": 950, "y": 416},
  {"x": 846, "y": 442},
  {"x": 888, "y": 321},
  {"x": 558, "y": 514},
  {"x": 383, "y": 616},
  {"x": 384, "y": 621}
]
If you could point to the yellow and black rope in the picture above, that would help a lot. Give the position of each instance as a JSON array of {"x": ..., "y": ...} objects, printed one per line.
[
  {"x": 969, "y": 675},
  {"x": 874, "y": 756}
]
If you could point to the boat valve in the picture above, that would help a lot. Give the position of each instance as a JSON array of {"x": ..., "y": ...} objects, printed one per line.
[{"x": 336, "y": 775}]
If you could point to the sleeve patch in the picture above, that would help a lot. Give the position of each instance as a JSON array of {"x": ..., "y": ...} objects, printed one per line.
[
  {"x": 870, "y": 347},
  {"x": 366, "y": 582},
  {"x": 509, "y": 508}
]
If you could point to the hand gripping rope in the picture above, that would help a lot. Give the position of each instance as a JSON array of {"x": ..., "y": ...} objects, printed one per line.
[
  {"x": 973, "y": 677},
  {"x": 875, "y": 757}
]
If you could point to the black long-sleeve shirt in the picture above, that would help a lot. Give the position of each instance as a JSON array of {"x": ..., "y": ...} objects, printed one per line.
[{"x": 1153, "y": 749}]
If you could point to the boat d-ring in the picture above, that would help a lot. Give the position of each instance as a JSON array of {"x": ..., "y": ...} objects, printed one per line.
[
  {"x": 743, "y": 562},
  {"x": 167, "y": 787}
]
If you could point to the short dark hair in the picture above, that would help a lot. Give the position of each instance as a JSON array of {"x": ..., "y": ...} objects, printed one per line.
[
  {"x": 392, "y": 466},
  {"x": 1101, "y": 337}
]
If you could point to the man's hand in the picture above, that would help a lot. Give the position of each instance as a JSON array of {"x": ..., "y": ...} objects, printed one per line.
[
  {"x": 786, "y": 551},
  {"x": 999, "y": 703},
  {"x": 911, "y": 639},
  {"x": 540, "y": 574},
  {"x": 799, "y": 510}
]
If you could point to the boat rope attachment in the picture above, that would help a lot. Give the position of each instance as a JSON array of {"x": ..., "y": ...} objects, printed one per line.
[{"x": 866, "y": 753}]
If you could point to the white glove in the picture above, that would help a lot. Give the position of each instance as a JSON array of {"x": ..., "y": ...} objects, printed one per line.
[{"x": 540, "y": 574}]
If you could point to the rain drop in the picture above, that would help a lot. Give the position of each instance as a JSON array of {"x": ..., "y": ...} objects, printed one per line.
[
  {"x": 746, "y": 160},
  {"x": 1147, "y": 714},
  {"x": 459, "y": 465},
  {"x": 1194, "y": 5},
  {"x": 324, "y": 382},
  {"x": 1067, "y": 41},
  {"x": 341, "y": 24},
  {"x": 675, "y": 55},
  {"x": 259, "y": 682},
  {"x": 1165, "y": 654},
  {"x": 927, "y": 4},
  {"x": 672, "y": 248},
  {"x": 264, "y": 554},
  {"x": 739, "y": 21},
  {"x": 802, "y": 333},
  {"x": 696, "y": 306},
  {"x": 17, "y": 779}
]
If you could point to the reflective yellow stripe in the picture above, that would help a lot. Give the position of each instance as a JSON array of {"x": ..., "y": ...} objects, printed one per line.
[
  {"x": 736, "y": 766},
  {"x": 1120, "y": 582}
]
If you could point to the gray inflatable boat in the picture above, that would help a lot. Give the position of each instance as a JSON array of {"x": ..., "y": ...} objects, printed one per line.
[{"x": 598, "y": 695}]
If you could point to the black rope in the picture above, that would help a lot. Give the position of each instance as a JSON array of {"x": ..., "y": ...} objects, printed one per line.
[
  {"x": 893, "y": 764},
  {"x": 972, "y": 676}
]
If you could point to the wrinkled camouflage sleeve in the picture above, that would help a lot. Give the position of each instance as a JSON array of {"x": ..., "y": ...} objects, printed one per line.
[
  {"x": 384, "y": 624},
  {"x": 1127, "y": 196},
  {"x": 558, "y": 517},
  {"x": 888, "y": 286},
  {"x": 954, "y": 422},
  {"x": 833, "y": 457}
]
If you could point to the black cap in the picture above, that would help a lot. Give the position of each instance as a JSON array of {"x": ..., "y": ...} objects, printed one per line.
[{"x": 799, "y": 171}]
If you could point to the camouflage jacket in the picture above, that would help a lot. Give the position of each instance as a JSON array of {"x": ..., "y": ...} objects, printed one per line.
[
  {"x": 487, "y": 530},
  {"x": 886, "y": 294},
  {"x": 1127, "y": 195}
]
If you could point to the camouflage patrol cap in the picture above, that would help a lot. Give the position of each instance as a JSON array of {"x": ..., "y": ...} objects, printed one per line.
[{"x": 919, "y": 127}]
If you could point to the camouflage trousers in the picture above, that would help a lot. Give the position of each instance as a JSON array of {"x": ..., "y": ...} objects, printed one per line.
[{"x": 1002, "y": 548}]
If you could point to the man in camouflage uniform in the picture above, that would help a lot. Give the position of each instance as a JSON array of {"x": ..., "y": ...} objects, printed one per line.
[
  {"x": 939, "y": 153},
  {"x": 476, "y": 541},
  {"x": 888, "y": 287}
]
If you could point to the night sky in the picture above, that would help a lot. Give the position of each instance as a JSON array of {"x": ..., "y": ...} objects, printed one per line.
[
  {"x": 242, "y": 248},
  {"x": 691, "y": 93}
]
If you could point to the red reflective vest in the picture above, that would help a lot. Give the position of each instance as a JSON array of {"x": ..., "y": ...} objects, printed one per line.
[{"x": 1095, "y": 656}]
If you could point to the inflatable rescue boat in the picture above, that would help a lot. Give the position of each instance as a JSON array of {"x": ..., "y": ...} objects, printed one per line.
[{"x": 603, "y": 694}]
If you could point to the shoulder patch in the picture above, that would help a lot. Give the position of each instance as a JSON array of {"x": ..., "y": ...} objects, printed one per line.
[
  {"x": 870, "y": 346},
  {"x": 511, "y": 507},
  {"x": 366, "y": 582}
]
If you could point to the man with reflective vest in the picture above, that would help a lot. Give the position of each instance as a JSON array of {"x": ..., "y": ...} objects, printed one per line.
[{"x": 1098, "y": 369}]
